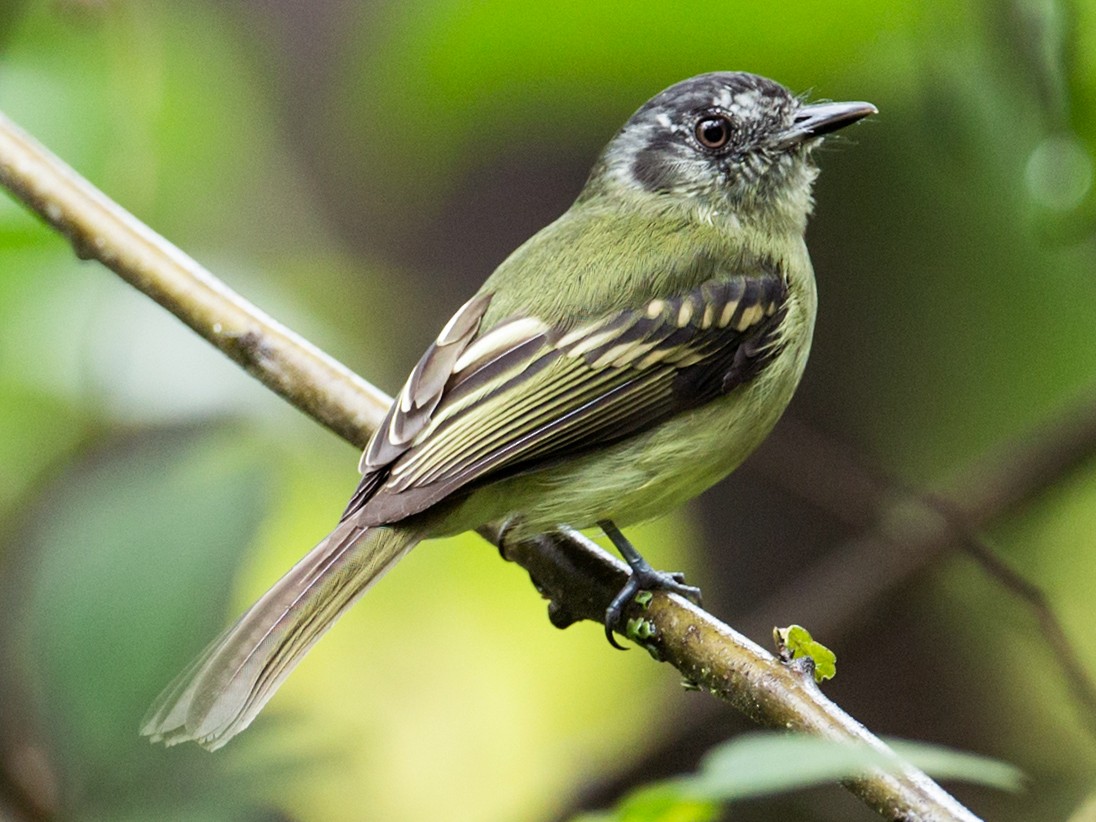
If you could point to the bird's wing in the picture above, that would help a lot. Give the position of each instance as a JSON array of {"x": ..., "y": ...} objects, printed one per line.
[{"x": 524, "y": 393}]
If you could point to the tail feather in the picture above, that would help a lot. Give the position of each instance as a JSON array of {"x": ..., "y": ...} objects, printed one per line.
[{"x": 221, "y": 692}]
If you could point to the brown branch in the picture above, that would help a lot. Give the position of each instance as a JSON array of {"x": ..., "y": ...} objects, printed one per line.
[
  {"x": 1068, "y": 660},
  {"x": 579, "y": 578},
  {"x": 907, "y": 529},
  {"x": 100, "y": 229},
  {"x": 835, "y": 479}
]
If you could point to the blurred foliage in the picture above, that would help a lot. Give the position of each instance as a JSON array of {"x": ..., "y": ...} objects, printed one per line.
[
  {"x": 762, "y": 764},
  {"x": 101, "y": 606},
  {"x": 489, "y": 64},
  {"x": 356, "y": 169}
]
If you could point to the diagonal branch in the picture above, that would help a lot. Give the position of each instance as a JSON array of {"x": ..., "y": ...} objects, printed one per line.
[
  {"x": 100, "y": 229},
  {"x": 578, "y": 578},
  {"x": 903, "y": 529}
]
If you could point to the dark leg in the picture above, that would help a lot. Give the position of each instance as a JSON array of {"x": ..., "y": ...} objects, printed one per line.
[
  {"x": 642, "y": 578},
  {"x": 504, "y": 535}
]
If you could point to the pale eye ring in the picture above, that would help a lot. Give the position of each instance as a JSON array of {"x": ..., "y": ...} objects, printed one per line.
[{"x": 713, "y": 131}]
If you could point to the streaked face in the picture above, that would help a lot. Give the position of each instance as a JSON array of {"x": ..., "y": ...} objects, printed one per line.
[{"x": 726, "y": 139}]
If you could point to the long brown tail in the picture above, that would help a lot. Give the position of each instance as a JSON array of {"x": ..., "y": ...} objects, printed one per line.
[{"x": 222, "y": 690}]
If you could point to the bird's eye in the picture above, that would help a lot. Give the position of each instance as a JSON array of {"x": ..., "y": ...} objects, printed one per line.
[{"x": 713, "y": 132}]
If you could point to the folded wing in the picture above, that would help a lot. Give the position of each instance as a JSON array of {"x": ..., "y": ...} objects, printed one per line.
[{"x": 523, "y": 393}]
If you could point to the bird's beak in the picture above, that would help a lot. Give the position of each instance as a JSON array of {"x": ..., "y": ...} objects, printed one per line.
[{"x": 822, "y": 118}]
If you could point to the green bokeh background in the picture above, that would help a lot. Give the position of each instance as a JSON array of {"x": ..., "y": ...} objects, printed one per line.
[{"x": 356, "y": 169}]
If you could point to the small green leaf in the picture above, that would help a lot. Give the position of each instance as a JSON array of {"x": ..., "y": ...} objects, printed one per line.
[
  {"x": 796, "y": 642},
  {"x": 639, "y": 630}
]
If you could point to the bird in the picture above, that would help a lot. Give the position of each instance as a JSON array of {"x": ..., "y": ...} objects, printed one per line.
[{"x": 621, "y": 361}]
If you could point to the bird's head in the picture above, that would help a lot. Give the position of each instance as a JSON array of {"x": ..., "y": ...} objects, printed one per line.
[{"x": 726, "y": 143}]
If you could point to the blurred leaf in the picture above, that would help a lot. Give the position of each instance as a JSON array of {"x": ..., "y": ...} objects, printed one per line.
[
  {"x": 949, "y": 764},
  {"x": 126, "y": 568},
  {"x": 764, "y": 764},
  {"x": 656, "y": 804}
]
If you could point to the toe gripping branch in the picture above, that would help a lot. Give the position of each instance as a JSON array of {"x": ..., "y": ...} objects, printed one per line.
[
  {"x": 574, "y": 578},
  {"x": 642, "y": 578}
]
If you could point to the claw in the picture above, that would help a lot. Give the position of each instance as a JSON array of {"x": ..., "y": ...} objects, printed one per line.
[{"x": 615, "y": 612}]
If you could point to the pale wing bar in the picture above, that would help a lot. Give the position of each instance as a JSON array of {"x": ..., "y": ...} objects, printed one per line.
[{"x": 523, "y": 396}]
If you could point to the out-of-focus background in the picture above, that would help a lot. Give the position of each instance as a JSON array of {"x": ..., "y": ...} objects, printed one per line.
[{"x": 356, "y": 168}]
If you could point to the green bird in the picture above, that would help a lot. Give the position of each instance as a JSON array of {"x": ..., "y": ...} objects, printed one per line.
[{"x": 621, "y": 361}]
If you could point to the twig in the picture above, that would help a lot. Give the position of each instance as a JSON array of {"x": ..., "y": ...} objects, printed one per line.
[
  {"x": 834, "y": 479},
  {"x": 909, "y": 528},
  {"x": 578, "y": 577},
  {"x": 1067, "y": 658},
  {"x": 100, "y": 229}
]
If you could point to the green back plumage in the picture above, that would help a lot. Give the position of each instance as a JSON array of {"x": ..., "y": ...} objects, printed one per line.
[{"x": 603, "y": 256}]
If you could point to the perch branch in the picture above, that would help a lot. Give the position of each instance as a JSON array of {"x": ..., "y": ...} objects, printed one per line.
[
  {"x": 574, "y": 574},
  {"x": 100, "y": 229},
  {"x": 903, "y": 529}
]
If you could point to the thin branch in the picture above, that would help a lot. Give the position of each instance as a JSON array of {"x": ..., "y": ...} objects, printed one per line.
[
  {"x": 1068, "y": 660},
  {"x": 907, "y": 528},
  {"x": 100, "y": 229},
  {"x": 833, "y": 478},
  {"x": 574, "y": 574}
]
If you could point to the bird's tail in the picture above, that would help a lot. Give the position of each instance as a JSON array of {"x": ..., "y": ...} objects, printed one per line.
[{"x": 222, "y": 690}]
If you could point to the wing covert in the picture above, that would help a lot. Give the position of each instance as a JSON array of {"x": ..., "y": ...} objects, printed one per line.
[{"x": 523, "y": 394}]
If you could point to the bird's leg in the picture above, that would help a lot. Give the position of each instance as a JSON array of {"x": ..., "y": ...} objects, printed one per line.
[
  {"x": 642, "y": 578},
  {"x": 504, "y": 534}
]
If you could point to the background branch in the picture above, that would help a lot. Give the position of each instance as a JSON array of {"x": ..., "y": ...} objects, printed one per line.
[
  {"x": 902, "y": 531},
  {"x": 579, "y": 578}
]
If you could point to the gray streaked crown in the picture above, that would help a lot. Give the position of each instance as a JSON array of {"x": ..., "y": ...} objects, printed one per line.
[{"x": 660, "y": 149}]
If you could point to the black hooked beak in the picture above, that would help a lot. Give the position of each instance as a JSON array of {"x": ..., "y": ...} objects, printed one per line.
[{"x": 822, "y": 118}]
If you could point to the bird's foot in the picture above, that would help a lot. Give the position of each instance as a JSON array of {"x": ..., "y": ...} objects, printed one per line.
[{"x": 642, "y": 578}]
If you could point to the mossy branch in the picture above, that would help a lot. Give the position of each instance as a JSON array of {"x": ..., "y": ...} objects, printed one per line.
[{"x": 574, "y": 574}]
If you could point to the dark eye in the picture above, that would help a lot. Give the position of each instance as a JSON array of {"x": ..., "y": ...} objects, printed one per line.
[{"x": 713, "y": 132}]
